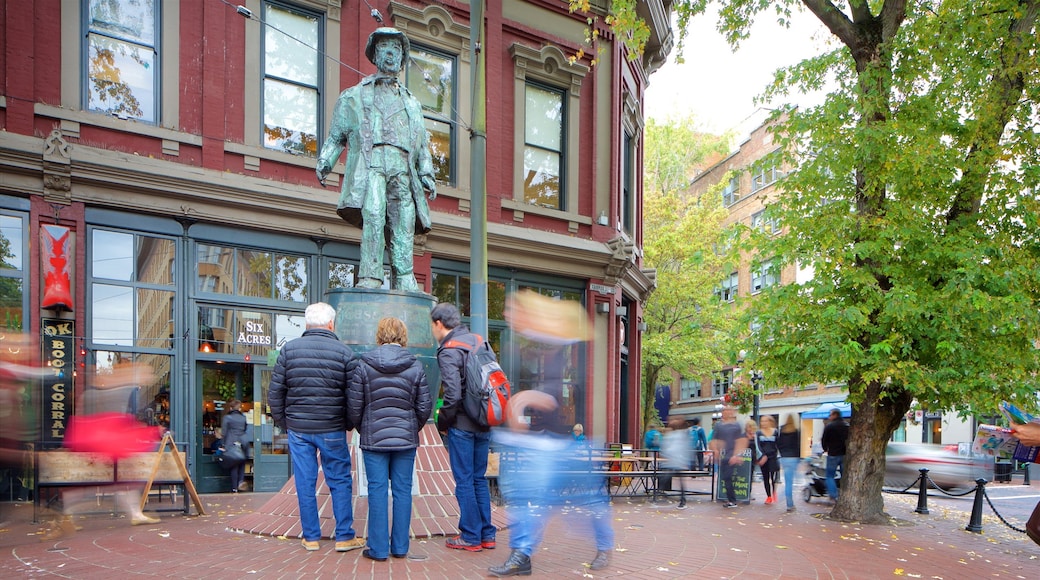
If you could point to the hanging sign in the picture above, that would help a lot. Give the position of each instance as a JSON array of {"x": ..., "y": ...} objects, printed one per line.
[{"x": 58, "y": 392}]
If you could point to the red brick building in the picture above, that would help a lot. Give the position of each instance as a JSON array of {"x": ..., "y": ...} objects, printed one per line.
[{"x": 175, "y": 143}]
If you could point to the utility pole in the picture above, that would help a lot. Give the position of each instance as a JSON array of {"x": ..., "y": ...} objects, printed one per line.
[{"x": 478, "y": 276}]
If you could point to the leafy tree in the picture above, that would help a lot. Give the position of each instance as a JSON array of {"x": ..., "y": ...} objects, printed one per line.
[
  {"x": 687, "y": 326},
  {"x": 915, "y": 205}
]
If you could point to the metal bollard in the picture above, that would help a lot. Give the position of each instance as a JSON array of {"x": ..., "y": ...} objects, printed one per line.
[
  {"x": 1025, "y": 478},
  {"x": 975, "y": 524},
  {"x": 922, "y": 493}
]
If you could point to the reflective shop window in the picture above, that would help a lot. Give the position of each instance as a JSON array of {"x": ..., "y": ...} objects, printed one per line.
[
  {"x": 292, "y": 78},
  {"x": 252, "y": 273},
  {"x": 137, "y": 383},
  {"x": 224, "y": 330},
  {"x": 543, "y": 148},
  {"x": 431, "y": 78},
  {"x": 12, "y": 272},
  {"x": 132, "y": 294},
  {"x": 121, "y": 58},
  {"x": 341, "y": 275}
]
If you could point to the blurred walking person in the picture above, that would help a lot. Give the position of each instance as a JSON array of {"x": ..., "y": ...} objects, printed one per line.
[
  {"x": 676, "y": 452},
  {"x": 537, "y": 437},
  {"x": 835, "y": 436},
  {"x": 769, "y": 456},
  {"x": 789, "y": 444},
  {"x": 729, "y": 442}
]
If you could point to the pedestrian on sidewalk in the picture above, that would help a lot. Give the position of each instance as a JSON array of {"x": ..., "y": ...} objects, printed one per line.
[
  {"x": 308, "y": 398},
  {"x": 699, "y": 442},
  {"x": 233, "y": 428},
  {"x": 789, "y": 444},
  {"x": 389, "y": 402},
  {"x": 468, "y": 442},
  {"x": 835, "y": 436},
  {"x": 543, "y": 446},
  {"x": 729, "y": 442},
  {"x": 768, "y": 456},
  {"x": 675, "y": 450}
]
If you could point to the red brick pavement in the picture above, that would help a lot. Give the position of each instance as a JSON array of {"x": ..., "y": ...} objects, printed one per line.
[{"x": 653, "y": 541}]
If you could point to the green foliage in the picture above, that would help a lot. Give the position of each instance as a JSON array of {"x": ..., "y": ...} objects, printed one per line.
[
  {"x": 915, "y": 207},
  {"x": 688, "y": 329}
]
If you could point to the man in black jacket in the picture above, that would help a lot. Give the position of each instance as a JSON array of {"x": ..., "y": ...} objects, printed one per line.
[
  {"x": 308, "y": 398},
  {"x": 835, "y": 435},
  {"x": 466, "y": 440}
]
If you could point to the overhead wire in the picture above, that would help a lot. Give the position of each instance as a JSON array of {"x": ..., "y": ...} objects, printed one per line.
[{"x": 427, "y": 77}]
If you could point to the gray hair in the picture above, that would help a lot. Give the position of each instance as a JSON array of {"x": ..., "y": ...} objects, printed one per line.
[{"x": 319, "y": 314}]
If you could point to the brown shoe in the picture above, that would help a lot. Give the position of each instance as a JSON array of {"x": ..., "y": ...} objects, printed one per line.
[
  {"x": 310, "y": 546},
  {"x": 348, "y": 545}
]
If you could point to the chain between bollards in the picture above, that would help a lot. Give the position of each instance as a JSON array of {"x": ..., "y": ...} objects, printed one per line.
[
  {"x": 922, "y": 494},
  {"x": 975, "y": 524}
]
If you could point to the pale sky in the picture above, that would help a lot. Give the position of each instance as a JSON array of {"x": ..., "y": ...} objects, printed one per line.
[{"x": 717, "y": 85}]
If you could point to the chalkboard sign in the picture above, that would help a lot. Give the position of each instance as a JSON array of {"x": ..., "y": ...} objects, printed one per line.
[{"x": 741, "y": 480}]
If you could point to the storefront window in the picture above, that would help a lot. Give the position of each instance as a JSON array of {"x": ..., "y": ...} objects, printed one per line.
[
  {"x": 12, "y": 272},
  {"x": 142, "y": 385},
  {"x": 246, "y": 332},
  {"x": 132, "y": 296},
  {"x": 341, "y": 275},
  {"x": 252, "y": 273}
]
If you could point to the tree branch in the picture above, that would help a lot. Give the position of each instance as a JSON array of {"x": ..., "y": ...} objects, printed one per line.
[
  {"x": 893, "y": 12},
  {"x": 995, "y": 110},
  {"x": 835, "y": 21},
  {"x": 860, "y": 11}
]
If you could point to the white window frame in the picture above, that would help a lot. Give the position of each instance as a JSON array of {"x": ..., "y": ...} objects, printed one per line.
[
  {"x": 721, "y": 381},
  {"x": 689, "y": 388},
  {"x": 550, "y": 67},
  {"x": 435, "y": 28},
  {"x": 731, "y": 193},
  {"x": 763, "y": 277},
  {"x": 729, "y": 288}
]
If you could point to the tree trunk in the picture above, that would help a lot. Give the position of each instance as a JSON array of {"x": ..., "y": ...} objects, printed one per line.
[{"x": 872, "y": 424}]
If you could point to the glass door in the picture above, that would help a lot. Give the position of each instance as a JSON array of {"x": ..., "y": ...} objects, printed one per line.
[
  {"x": 270, "y": 443},
  {"x": 220, "y": 382}
]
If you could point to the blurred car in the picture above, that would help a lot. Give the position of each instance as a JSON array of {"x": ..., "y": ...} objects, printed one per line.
[{"x": 948, "y": 467}]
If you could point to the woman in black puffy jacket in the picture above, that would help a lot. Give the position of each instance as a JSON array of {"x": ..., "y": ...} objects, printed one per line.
[{"x": 388, "y": 401}]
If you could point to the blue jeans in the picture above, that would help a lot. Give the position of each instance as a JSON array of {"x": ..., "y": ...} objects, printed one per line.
[
  {"x": 534, "y": 490},
  {"x": 468, "y": 454},
  {"x": 395, "y": 467},
  {"x": 790, "y": 467},
  {"x": 335, "y": 462},
  {"x": 834, "y": 464}
]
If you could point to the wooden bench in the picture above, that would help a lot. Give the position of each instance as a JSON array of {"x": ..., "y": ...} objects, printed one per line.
[{"x": 61, "y": 468}]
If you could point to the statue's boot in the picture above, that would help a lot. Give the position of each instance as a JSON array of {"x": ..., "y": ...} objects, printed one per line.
[
  {"x": 408, "y": 284},
  {"x": 369, "y": 283}
]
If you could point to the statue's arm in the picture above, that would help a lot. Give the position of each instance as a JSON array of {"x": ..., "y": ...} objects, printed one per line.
[
  {"x": 344, "y": 120},
  {"x": 425, "y": 168}
]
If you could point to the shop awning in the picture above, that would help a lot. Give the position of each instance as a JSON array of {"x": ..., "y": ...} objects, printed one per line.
[{"x": 824, "y": 411}]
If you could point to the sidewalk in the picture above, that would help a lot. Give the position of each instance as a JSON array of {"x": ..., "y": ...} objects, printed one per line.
[{"x": 654, "y": 541}]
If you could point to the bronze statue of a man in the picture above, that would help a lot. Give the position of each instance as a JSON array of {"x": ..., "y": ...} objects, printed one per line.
[{"x": 388, "y": 163}]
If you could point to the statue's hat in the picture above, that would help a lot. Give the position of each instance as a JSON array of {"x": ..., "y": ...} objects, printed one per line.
[{"x": 385, "y": 32}]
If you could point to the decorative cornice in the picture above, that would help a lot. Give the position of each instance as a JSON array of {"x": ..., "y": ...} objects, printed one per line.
[
  {"x": 622, "y": 257},
  {"x": 57, "y": 165}
]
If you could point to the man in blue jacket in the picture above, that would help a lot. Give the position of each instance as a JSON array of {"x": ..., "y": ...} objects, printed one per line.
[{"x": 308, "y": 398}]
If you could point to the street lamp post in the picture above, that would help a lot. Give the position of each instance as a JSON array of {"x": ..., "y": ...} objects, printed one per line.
[{"x": 756, "y": 380}]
